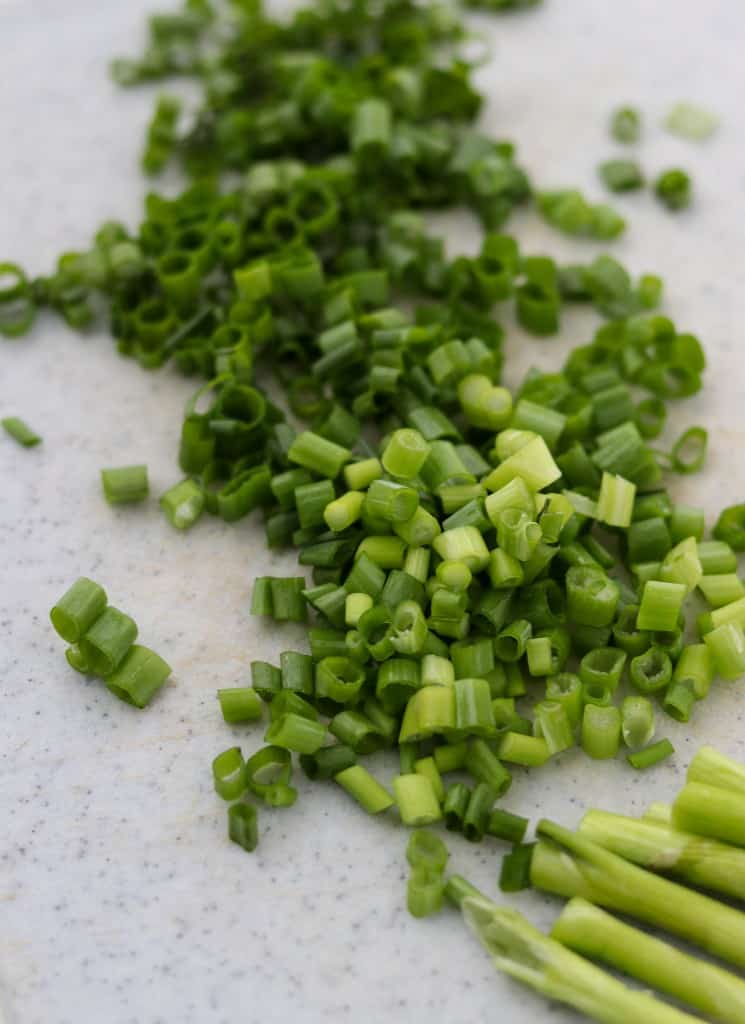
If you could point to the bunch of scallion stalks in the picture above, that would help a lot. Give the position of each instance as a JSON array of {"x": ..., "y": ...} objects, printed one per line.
[{"x": 650, "y": 869}]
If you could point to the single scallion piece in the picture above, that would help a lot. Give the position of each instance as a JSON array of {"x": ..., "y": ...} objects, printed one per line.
[
  {"x": 621, "y": 175},
  {"x": 78, "y": 609},
  {"x": 107, "y": 641},
  {"x": 20, "y": 431},
  {"x": 695, "y": 668},
  {"x": 183, "y": 504},
  {"x": 138, "y": 677},
  {"x": 637, "y": 722},
  {"x": 531, "y": 751},
  {"x": 416, "y": 799},
  {"x": 721, "y": 589},
  {"x": 625, "y": 125},
  {"x": 566, "y": 689},
  {"x": 601, "y": 731},
  {"x": 504, "y": 825},
  {"x": 552, "y": 724},
  {"x": 651, "y": 755},
  {"x": 405, "y": 454},
  {"x": 660, "y": 605},
  {"x": 318, "y": 454},
  {"x": 229, "y": 773},
  {"x": 425, "y": 891},
  {"x": 327, "y": 762},
  {"x": 240, "y": 704},
  {"x": 726, "y": 645},
  {"x": 514, "y": 875},
  {"x": 125, "y": 485},
  {"x": 455, "y": 805},
  {"x": 426, "y": 849},
  {"x": 365, "y": 789},
  {"x": 243, "y": 826},
  {"x": 673, "y": 188},
  {"x": 729, "y": 529},
  {"x": 691, "y": 122},
  {"x": 296, "y": 732}
]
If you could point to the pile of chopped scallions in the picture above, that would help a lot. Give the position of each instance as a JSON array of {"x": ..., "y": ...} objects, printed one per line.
[{"x": 487, "y": 567}]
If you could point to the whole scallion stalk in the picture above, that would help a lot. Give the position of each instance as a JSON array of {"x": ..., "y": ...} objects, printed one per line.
[
  {"x": 659, "y": 847},
  {"x": 570, "y": 865},
  {"x": 591, "y": 932},
  {"x": 523, "y": 952}
]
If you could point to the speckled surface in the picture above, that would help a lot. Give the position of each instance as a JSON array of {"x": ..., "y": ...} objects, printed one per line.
[{"x": 120, "y": 898}]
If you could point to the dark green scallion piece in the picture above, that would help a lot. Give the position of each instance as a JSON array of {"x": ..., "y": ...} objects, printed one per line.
[
  {"x": 673, "y": 188},
  {"x": 243, "y": 826},
  {"x": 515, "y": 872}
]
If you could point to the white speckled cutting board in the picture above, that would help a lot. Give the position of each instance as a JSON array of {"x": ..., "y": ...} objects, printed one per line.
[{"x": 121, "y": 900}]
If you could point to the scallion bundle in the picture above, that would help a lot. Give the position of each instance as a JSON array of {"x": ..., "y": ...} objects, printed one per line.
[{"x": 604, "y": 865}]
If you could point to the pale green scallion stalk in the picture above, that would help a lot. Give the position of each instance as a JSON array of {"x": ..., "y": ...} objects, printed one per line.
[
  {"x": 659, "y": 812},
  {"x": 591, "y": 932},
  {"x": 523, "y": 952},
  {"x": 573, "y": 865},
  {"x": 714, "y": 769},
  {"x": 659, "y": 847},
  {"x": 710, "y": 811}
]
